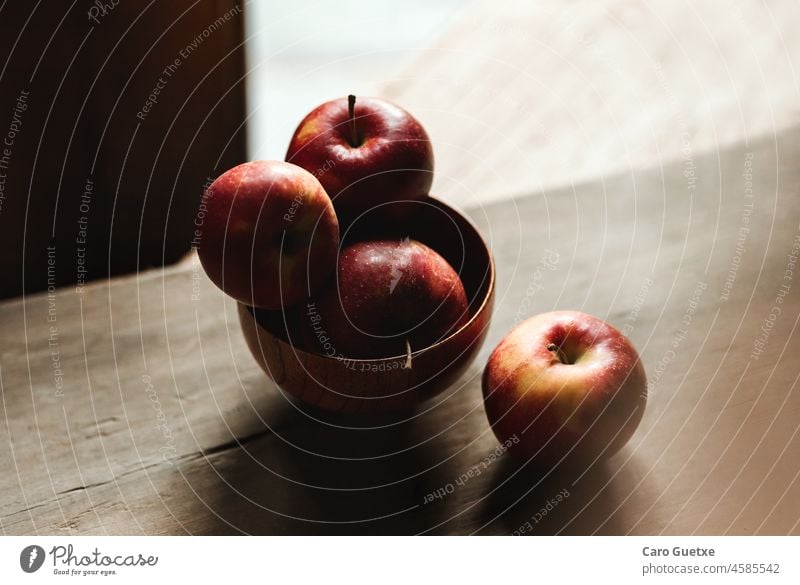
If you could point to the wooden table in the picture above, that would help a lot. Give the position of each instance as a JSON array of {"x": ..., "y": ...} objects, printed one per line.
[
  {"x": 551, "y": 93},
  {"x": 134, "y": 407}
]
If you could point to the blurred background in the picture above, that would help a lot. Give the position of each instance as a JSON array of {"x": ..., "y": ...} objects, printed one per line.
[
  {"x": 303, "y": 53},
  {"x": 517, "y": 98}
]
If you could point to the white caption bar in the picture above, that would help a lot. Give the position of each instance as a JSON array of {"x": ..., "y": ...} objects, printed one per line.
[{"x": 355, "y": 560}]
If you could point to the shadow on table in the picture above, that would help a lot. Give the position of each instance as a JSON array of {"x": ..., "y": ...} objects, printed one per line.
[
  {"x": 317, "y": 473},
  {"x": 525, "y": 500}
]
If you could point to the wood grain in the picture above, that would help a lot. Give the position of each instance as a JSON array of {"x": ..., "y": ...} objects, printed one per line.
[
  {"x": 166, "y": 425},
  {"x": 551, "y": 93}
]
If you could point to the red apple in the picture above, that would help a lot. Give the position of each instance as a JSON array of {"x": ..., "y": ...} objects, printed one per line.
[
  {"x": 365, "y": 152},
  {"x": 268, "y": 234},
  {"x": 391, "y": 296},
  {"x": 564, "y": 385}
]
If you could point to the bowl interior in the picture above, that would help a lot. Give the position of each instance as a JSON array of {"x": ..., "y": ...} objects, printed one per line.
[{"x": 430, "y": 221}]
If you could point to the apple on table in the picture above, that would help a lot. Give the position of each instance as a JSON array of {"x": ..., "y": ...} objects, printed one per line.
[{"x": 567, "y": 385}]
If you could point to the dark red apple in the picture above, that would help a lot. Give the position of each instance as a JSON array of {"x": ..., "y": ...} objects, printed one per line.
[
  {"x": 365, "y": 152},
  {"x": 564, "y": 386},
  {"x": 268, "y": 234},
  {"x": 390, "y": 297}
]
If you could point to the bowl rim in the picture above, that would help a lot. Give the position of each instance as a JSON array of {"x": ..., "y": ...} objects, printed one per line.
[{"x": 487, "y": 297}]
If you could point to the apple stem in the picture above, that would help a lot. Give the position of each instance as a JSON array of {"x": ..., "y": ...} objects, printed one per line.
[
  {"x": 559, "y": 353},
  {"x": 351, "y": 106}
]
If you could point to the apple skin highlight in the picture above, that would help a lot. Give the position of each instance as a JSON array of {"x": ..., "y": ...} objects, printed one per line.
[{"x": 568, "y": 385}]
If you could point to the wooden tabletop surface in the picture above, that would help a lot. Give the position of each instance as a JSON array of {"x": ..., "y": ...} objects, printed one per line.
[
  {"x": 553, "y": 93},
  {"x": 134, "y": 407}
]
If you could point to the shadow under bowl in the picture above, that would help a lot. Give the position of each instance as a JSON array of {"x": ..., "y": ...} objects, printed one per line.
[{"x": 386, "y": 384}]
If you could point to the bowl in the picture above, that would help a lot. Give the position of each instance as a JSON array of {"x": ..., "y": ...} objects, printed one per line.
[{"x": 335, "y": 383}]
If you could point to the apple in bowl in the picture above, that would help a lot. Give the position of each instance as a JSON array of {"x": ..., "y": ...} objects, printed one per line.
[
  {"x": 390, "y": 298},
  {"x": 365, "y": 152},
  {"x": 323, "y": 376},
  {"x": 270, "y": 235},
  {"x": 567, "y": 385}
]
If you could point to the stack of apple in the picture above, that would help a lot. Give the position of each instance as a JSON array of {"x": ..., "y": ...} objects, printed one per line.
[
  {"x": 281, "y": 234},
  {"x": 272, "y": 231}
]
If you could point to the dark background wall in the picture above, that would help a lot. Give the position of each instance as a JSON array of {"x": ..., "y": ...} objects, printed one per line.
[{"x": 96, "y": 176}]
